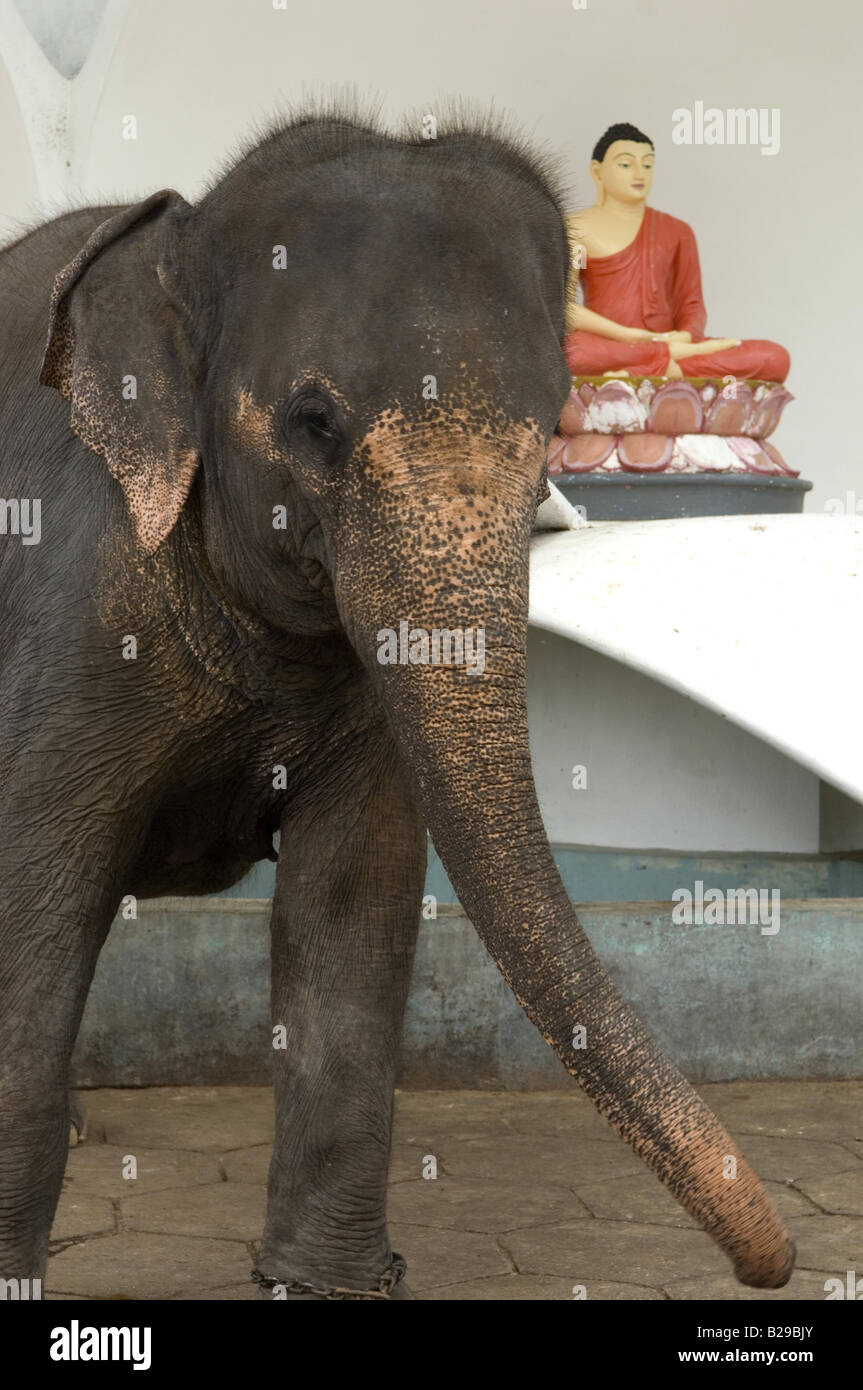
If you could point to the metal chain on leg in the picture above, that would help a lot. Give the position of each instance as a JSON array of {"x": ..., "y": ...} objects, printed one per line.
[{"x": 392, "y": 1275}]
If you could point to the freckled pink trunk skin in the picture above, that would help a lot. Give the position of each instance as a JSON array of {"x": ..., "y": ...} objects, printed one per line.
[{"x": 439, "y": 561}]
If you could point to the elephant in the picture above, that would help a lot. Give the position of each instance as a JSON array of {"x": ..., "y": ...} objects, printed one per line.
[{"x": 266, "y": 428}]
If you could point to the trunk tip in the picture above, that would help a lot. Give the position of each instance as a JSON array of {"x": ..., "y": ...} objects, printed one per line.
[{"x": 771, "y": 1271}]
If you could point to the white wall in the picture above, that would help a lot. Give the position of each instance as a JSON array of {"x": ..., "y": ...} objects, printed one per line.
[
  {"x": 779, "y": 236},
  {"x": 661, "y": 771}
]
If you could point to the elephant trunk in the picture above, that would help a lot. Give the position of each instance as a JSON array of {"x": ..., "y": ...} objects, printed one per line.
[{"x": 463, "y": 735}]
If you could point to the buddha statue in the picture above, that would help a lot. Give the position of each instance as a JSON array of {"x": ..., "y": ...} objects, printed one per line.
[{"x": 643, "y": 312}]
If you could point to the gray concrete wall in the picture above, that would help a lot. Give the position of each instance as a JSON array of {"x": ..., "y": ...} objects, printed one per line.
[{"x": 181, "y": 997}]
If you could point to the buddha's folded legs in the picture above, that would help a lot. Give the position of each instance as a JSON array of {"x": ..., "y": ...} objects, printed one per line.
[
  {"x": 755, "y": 357},
  {"x": 589, "y": 355}
]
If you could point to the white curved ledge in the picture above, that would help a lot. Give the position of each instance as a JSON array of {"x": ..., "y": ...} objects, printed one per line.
[{"x": 759, "y": 618}]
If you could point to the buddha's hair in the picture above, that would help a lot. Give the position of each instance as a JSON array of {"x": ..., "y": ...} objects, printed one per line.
[{"x": 622, "y": 131}]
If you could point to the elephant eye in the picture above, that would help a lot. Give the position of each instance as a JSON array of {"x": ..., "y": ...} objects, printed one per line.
[
  {"x": 312, "y": 418},
  {"x": 317, "y": 422}
]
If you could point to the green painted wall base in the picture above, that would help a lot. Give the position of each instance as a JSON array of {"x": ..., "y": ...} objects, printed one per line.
[
  {"x": 611, "y": 875},
  {"x": 181, "y": 997}
]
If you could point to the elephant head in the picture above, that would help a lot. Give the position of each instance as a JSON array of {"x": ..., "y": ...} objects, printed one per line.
[{"x": 352, "y": 346}]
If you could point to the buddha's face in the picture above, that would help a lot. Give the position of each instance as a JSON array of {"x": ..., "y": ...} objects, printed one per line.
[{"x": 626, "y": 172}]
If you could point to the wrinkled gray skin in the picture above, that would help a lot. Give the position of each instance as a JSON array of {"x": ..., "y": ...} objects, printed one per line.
[{"x": 300, "y": 387}]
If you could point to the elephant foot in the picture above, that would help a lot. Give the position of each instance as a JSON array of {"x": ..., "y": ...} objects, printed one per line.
[
  {"x": 77, "y": 1121},
  {"x": 391, "y": 1288}
]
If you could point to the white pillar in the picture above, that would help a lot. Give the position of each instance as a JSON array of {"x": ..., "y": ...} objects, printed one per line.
[{"x": 58, "y": 95}]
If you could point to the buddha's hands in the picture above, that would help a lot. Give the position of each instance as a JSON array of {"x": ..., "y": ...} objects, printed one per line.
[
  {"x": 647, "y": 335},
  {"x": 679, "y": 340},
  {"x": 678, "y": 350}
]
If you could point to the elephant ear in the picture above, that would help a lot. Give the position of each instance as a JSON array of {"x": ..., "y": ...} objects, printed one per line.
[{"x": 119, "y": 350}]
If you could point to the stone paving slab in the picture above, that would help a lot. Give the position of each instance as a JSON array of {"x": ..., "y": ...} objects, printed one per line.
[
  {"x": 474, "y": 1204},
  {"x": 840, "y": 1192},
  {"x": 225, "y": 1211},
  {"x": 568, "y": 1158},
  {"x": 801, "y": 1109},
  {"x": 82, "y": 1214},
  {"x": 795, "y": 1161},
  {"x": 98, "y": 1168},
  {"x": 185, "y": 1117},
  {"x": 143, "y": 1266},
  {"x": 642, "y": 1198},
  {"x": 248, "y": 1165},
  {"x": 805, "y": 1285},
  {"x": 831, "y": 1243},
  {"x": 534, "y": 1197},
  {"x": 533, "y": 1287},
  {"x": 619, "y": 1251}
]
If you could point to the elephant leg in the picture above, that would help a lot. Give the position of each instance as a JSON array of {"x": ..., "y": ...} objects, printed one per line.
[
  {"x": 345, "y": 916},
  {"x": 56, "y": 905}
]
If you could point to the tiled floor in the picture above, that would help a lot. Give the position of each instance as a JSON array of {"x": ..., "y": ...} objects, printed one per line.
[{"x": 534, "y": 1195}]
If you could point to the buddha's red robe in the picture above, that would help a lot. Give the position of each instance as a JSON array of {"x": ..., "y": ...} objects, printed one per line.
[{"x": 655, "y": 283}]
